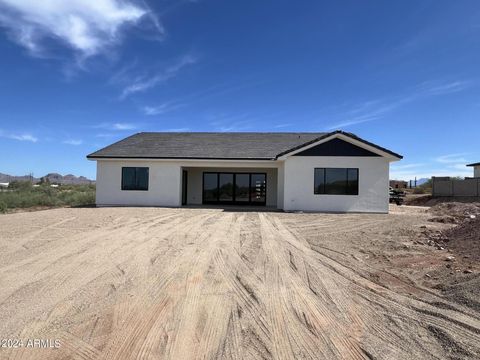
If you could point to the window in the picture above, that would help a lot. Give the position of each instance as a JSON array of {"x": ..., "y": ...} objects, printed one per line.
[
  {"x": 134, "y": 178},
  {"x": 335, "y": 181}
]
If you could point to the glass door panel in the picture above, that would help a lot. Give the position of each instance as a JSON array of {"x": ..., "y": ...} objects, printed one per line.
[
  {"x": 225, "y": 187},
  {"x": 242, "y": 187},
  {"x": 210, "y": 187}
]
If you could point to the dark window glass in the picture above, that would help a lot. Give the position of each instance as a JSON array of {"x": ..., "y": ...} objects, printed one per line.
[
  {"x": 336, "y": 181},
  {"x": 352, "y": 185},
  {"x": 258, "y": 188},
  {"x": 242, "y": 186},
  {"x": 225, "y": 189},
  {"x": 319, "y": 179},
  {"x": 210, "y": 187},
  {"x": 134, "y": 178}
]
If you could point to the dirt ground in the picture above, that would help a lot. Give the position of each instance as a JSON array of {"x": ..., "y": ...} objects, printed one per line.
[{"x": 153, "y": 283}]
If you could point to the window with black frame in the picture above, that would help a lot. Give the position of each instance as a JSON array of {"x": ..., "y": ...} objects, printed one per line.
[
  {"x": 135, "y": 178},
  {"x": 336, "y": 181}
]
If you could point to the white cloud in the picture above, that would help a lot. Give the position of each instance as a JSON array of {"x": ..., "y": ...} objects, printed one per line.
[
  {"x": 428, "y": 173},
  {"x": 435, "y": 88},
  {"x": 379, "y": 108},
  {"x": 87, "y": 26},
  {"x": 24, "y": 137},
  {"x": 452, "y": 158},
  {"x": 115, "y": 126},
  {"x": 73, "y": 142},
  {"x": 147, "y": 81},
  {"x": 160, "y": 109},
  {"x": 123, "y": 126}
]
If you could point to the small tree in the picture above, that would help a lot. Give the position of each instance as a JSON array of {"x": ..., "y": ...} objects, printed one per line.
[{"x": 44, "y": 181}]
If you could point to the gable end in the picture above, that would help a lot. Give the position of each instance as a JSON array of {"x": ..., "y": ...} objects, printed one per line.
[{"x": 336, "y": 147}]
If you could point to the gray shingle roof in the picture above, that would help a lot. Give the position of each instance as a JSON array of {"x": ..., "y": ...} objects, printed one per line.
[{"x": 210, "y": 145}]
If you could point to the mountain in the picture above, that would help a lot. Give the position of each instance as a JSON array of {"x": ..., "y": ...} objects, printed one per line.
[{"x": 53, "y": 178}]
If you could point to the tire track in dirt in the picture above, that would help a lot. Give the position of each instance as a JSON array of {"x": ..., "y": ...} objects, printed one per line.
[
  {"x": 197, "y": 283},
  {"x": 408, "y": 309}
]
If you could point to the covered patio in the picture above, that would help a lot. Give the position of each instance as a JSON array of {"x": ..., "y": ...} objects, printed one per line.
[{"x": 219, "y": 186}]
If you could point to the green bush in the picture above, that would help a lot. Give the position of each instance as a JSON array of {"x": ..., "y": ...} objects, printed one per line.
[
  {"x": 3, "y": 207},
  {"x": 20, "y": 185}
]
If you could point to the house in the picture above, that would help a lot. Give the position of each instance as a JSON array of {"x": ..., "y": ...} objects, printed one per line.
[
  {"x": 335, "y": 171},
  {"x": 398, "y": 184},
  {"x": 476, "y": 169}
]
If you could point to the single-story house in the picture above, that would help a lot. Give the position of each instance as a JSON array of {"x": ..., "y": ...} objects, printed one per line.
[
  {"x": 335, "y": 171},
  {"x": 476, "y": 169}
]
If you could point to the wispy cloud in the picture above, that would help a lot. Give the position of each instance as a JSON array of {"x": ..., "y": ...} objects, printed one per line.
[
  {"x": 87, "y": 27},
  {"x": 123, "y": 126},
  {"x": 18, "y": 136},
  {"x": 73, "y": 142},
  {"x": 452, "y": 158},
  {"x": 183, "y": 129},
  {"x": 369, "y": 111},
  {"x": 23, "y": 137},
  {"x": 160, "y": 109},
  {"x": 406, "y": 166},
  {"x": 443, "y": 165},
  {"x": 378, "y": 108},
  {"x": 148, "y": 80},
  {"x": 435, "y": 88},
  {"x": 226, "y": 123},
  {"x": 281, "y": 126},
  {"x": 119, "y": 126}
]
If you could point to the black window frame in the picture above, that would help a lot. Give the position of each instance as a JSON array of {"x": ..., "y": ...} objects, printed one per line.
[
  {"x": 136, "y": 186},
  {"x": 348, "y": 186}
]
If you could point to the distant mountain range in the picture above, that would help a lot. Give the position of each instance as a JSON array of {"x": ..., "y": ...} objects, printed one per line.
[{"x": 53, "y": 178}]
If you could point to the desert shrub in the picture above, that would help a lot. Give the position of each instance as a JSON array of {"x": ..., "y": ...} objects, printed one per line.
[
  {"x": 3, "y": 207},
  {"x": 20, "y": 185},
  {"x": 419, "y": 190},
  {"x": 44, "y": 195}
]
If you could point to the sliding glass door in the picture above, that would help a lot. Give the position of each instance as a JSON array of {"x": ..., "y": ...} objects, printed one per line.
[{"x": 234, "y": 188}]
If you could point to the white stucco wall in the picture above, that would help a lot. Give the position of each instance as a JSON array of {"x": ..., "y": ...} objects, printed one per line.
[
  {"x": 290, "y": 183},
  {"x": 164, "y": 184},
  {"x": 373, "y": 184},
  {"x": 476, "y": 171}
]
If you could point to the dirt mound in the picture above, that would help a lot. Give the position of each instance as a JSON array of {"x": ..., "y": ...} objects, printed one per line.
[
  {"x": 465, "y": 239},
  {"x": 428, "y": 200},
  {"x": 454, "y": 212}
]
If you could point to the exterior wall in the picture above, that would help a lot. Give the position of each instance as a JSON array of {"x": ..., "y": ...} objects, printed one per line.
[
  {"x": 195, "y": 180},
  {"x": 280, "y": 185},
  {"x": 164, "y": 184},
  {"x": 373, "y": 184},
  {"x": 165, "y": 181},
  {"x": 476, "y": 171},
  {"x": 289, "y": 183}
]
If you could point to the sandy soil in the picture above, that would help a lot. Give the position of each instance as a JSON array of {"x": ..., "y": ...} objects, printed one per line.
[{"x": 144, "y": 283}]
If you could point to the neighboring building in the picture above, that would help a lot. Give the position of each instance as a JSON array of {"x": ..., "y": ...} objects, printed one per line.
[
  {"x": 398, "y": 184},
  {"x": 334, "y": 171},
  {"x": 476, "y": 169}
]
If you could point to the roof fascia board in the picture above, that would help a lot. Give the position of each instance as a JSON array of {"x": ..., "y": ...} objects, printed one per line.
[{"x": 108, "y": 158}]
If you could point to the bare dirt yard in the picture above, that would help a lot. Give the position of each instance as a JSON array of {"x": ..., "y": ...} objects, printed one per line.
[{"x": 153, "y": 283}]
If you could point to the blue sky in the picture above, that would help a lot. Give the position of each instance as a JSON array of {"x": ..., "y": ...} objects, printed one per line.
[{"x": 78, "y": 75}]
